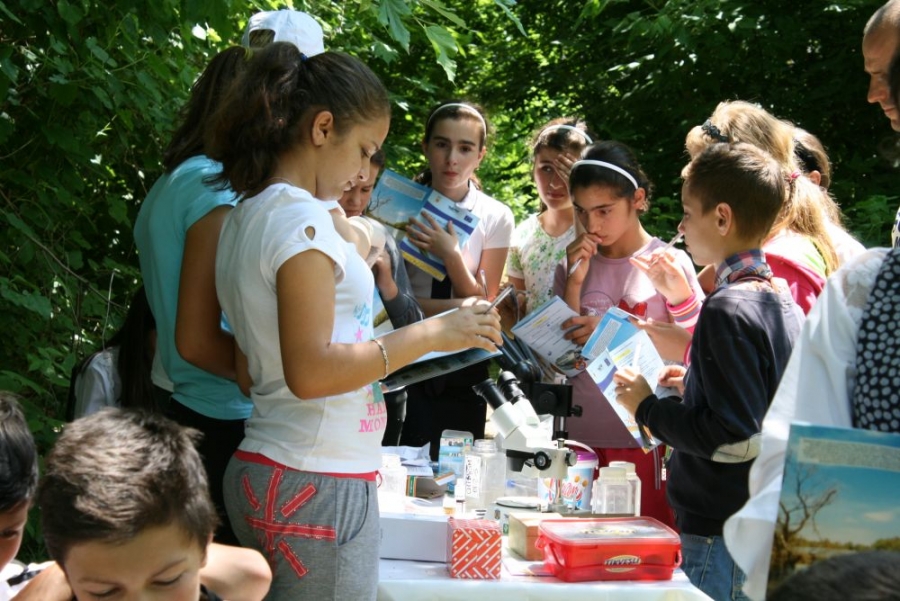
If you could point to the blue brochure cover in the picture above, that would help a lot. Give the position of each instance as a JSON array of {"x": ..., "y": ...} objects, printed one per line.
[{"x": 396, "y": 199}]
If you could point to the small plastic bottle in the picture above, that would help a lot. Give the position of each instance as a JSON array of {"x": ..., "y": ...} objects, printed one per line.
[
  {"x": 632, "y": 477},
  {"x": 615, "y": 492},
  {"x": 485, "y": 475},
  {"x": 392, "y": 488}
]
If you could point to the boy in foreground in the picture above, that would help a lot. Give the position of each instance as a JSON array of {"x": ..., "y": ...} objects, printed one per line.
[
  {"x": 127, "y": 514},
  {"x": 739, "y": 349}
]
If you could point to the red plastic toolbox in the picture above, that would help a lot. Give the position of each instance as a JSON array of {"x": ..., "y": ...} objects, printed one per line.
[{"x": 636, "y": 548}]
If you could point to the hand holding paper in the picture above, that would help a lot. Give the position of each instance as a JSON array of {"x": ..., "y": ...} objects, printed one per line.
[{"x": 631, "y": 389}]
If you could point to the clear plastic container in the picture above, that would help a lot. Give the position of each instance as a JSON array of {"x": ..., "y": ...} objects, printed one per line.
[
  {"x": 614, "y": 493},
  {"x": 609, "y": 549},
  {"x": 632, "y": 477},
  {"x": 485, "y": 475},
  {"x": 392, "y": 484}
]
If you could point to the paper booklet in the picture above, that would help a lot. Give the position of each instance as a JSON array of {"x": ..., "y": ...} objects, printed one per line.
[
  {"x": 542, "y": 331},
  {"x": 839, "y": 495},
  {"x": 434, "y": 364},
  {"x": 617, "y": 344},
  {"x": 396, "y": 198}
]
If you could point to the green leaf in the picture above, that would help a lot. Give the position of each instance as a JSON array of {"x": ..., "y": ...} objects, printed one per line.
[
  {"x": 445, "y": 47},
  {"x": 448, "y": 13},
  {"x": 69, "y": 12},
  {"x": 505, "y": 7},
  {"x": 383, "y": 51},
  {"x": 391, "y": 13},
  {"x": 19, "y": 224},
  {"x": 31, "y": 301},
  {"x": 6, "y": 12},
  {"x": 99, "y": 52}
]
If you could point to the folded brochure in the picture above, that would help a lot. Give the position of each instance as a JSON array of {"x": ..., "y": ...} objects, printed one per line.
[
  {"x": 396, "y": 199},
  {"x": 542, "y": 331},
  {"x": 618, "y": 344}
]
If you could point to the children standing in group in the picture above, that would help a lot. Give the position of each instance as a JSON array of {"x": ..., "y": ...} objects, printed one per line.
[
  {"x": 301, "y": 488},
  {"x": 741, "y": 344},
  {"x": 610, "y": 191},
  {"x": 455, "y": 144},
  {"x": 539, "y": 243}
]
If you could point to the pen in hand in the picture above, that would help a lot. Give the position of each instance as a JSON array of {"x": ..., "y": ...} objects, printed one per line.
[
  {"x": 668, "y": 246},
  {"x": 575, "y": 266},
  {"x": 503, "y": 294}
]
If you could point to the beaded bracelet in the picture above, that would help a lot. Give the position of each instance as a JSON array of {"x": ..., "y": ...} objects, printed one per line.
[{"x": 384, "y": 355}]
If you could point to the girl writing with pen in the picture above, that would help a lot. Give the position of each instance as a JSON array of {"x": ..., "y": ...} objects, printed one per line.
[{"x": 610, "y": 192}]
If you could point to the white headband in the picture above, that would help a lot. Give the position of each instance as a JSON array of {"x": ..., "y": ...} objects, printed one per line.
[
  {"x": 572, "y": 128},
  {"x": 472, "y": 109},
  {"x": 606, "y": 165}
]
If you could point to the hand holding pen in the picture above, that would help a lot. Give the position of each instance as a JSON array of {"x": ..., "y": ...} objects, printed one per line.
[{"x": 665, "y": 273}]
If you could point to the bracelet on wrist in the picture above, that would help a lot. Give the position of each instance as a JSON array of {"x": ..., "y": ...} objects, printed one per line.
[{"x": 384, "y": 356}]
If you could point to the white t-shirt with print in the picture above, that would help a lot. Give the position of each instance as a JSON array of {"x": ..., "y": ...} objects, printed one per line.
[{"x": 340, "y": 433}]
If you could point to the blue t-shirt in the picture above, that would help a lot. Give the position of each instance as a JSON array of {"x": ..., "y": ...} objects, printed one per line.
[{"x": 177, "y": 201}]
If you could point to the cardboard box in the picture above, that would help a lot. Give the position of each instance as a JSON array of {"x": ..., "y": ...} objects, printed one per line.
[
  {"x": 474, "y": 549},
  {"x": 418, "y": 537},
  {"x": 426, "y": 487},
  {"x": 523, "y": 533}
]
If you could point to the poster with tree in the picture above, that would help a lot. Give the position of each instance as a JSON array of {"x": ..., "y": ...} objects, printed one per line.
[{"x": 839, "y": 495}]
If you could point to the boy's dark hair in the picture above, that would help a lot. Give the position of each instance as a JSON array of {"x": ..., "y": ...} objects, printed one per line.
[
  {"x": 270, "y": 106},
  {"x": 206, "y": 94},
  {"x": 744, "y": 177},
  {"x": 118, "y": 472},
  {"x": 620, "y": 155},
  {"x": 865, "y": 576},
  {"x": 18, "y": 455}
]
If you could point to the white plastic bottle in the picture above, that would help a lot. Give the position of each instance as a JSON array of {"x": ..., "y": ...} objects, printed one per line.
[
  {"x": 485, "y": 475},
  {"x": 632, "y": 477},
  {"x": 615, "y": 492},
  {"x": 392, "y": 485}
]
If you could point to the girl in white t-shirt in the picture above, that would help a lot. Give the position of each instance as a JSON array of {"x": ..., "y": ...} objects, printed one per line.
[
  {"x": 292, "y": 134},
  {"x": 455, "y": 144},
  {"x": 539, "y": 243}
]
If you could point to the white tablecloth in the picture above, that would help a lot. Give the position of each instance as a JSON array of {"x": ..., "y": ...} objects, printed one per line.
[{"x": 425, "y": 581}]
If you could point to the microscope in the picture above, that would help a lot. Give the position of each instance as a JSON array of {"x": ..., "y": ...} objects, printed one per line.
[{"x": 528, "y": 448}]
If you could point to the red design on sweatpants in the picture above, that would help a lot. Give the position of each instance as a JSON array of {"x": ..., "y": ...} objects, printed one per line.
[{"x": 269, "y": 528}]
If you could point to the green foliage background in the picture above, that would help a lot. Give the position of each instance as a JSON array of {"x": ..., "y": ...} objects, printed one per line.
[{"x": 90, "y": 90}]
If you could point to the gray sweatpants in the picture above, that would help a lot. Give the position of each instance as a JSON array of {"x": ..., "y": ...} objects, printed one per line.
[{"x": 319, "y": 533}]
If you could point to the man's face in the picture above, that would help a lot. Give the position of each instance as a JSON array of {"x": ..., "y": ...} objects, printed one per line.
[{"x": 879, "y": 47}]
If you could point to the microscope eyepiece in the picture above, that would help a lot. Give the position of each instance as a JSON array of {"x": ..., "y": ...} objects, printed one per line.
[{"x": 490, "y": 392}]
